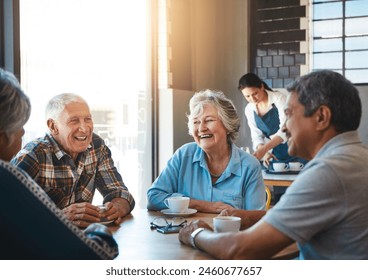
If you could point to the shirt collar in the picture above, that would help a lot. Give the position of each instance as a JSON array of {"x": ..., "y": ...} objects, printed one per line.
[
  {"x": 346, "y": 138},
  {"x": 59, "y": 153},
  {"x": 232, "y": 168}
]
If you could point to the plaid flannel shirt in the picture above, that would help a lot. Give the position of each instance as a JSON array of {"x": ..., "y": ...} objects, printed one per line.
[{"x": 68, "y": 182}]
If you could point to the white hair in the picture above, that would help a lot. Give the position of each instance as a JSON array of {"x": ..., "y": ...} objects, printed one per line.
[
  {"x": 15, "y": 107},
  {"x": 225, "y": 109},
  {"x": 57, "y": 104}
]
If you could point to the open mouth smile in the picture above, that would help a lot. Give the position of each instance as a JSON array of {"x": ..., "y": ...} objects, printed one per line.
[
  {"x": 81, "y": 138},
  {"x": 205, "y": 136}
]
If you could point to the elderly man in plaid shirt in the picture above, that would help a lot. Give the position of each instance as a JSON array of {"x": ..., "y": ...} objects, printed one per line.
[{"x": 71, "y": 162}]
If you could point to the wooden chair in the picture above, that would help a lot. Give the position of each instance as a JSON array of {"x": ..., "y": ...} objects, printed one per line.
[{"x": 268, "y": 198}]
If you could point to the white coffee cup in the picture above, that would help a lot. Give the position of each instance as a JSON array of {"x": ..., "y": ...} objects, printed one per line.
[
  {"x": 226, "y": 224},
  {"x": 177, "y": 204},
  {"x": 295, "y": 165},
  {"x": 280, "y": 166},
  {"x": 102, "y": 208}
]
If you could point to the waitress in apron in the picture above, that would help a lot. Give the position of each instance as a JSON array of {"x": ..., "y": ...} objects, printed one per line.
[{"x": 265, "y": 116}]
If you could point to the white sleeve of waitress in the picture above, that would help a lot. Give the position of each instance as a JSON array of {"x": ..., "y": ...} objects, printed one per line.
[
  {"x": 256, "y": 133},
  {"x": 279, "y": 99}
]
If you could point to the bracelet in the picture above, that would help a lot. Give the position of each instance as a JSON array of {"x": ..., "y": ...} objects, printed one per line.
[{"x": 193, "y": 236}]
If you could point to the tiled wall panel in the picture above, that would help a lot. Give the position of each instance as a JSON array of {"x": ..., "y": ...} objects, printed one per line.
[{"x": 276, "y": 35}]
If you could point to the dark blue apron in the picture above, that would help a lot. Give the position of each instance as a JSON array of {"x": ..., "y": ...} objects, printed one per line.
[{"x": 269, "y": 124}]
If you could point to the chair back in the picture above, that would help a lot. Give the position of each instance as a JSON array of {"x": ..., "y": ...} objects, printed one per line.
[{"x": 268, "y": 198}]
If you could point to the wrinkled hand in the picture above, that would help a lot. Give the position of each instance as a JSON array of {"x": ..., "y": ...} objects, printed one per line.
[
  {"x": 208, "y": 206},
  {"x": 268, "y": 158},
  {"x": 82, "y": 214},
  {"x": 226, "y": 212},
  {"x": 260, "y": 152},
  {"x": 186, "y": 231},
  {"x": 218, "y": 207},
  {"x": 116, "y": 210}
]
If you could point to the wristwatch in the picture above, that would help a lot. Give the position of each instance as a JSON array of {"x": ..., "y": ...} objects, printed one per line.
[{"x": 193, "y": 236}]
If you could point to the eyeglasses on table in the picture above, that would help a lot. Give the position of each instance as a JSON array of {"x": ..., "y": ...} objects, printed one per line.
[{"x": 162, "y": 222}]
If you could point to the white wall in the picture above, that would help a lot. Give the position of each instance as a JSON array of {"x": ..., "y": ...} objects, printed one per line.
[{"x": 173, "y": 131}]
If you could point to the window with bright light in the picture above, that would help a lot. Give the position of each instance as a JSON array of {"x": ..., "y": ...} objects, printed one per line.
[
  {"x": 340, "y": 37},
  {"x": 97, "y": 49}
]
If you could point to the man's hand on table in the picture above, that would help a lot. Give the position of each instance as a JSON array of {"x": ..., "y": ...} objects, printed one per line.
[
  {"x": 82, "y": 214},
  {"x": 186, "y": 231}
]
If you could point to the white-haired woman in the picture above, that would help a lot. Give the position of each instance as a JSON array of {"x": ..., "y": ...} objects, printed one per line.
[{"x": 212, "y": 171}]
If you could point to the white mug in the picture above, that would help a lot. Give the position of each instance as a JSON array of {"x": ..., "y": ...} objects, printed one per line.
[
  {"x": 279, "y": 166},
  {"x": 177, "y": 204},
  {"x": 102, "y": 208},
  {"x": 226, "y": 224},
  {"x": 295, "y": 165}
]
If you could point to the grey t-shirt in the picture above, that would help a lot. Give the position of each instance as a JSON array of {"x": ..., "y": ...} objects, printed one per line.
[{"x": 325, "y": 210}]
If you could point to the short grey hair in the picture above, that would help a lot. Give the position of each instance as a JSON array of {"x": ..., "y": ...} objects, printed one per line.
[
  {"x": 57, "y": 104},
  {"x": 225, "y": 108},
  {"x": 15, "y": 106},
  {"x": 329, "y": 88}
]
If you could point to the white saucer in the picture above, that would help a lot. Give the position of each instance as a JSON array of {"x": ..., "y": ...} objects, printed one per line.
[
  {"x": 295, "y": 169},
  {"x": 281, "y": 171},
  {"x": 188, "y": 213},
  {"x": 106, "y": 222}
]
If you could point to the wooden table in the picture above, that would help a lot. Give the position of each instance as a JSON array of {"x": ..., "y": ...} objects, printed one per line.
[
  {"x": 138, "y": 242},
  {"x": 282, "y": 180}
]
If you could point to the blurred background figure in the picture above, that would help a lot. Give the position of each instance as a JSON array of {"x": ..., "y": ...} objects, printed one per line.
[{"x": 265, "y": 116}]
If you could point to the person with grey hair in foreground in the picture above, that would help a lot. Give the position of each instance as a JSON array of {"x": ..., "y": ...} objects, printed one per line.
[
  {"x": 325, "y": 209},
  {"x": 212, "y": 171},
  {"x": 32, "y": 226},
  {"x": 71, "y": 162}
]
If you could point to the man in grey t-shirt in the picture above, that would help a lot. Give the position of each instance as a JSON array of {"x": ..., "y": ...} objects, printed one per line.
[{"x": 325, "y": 209}]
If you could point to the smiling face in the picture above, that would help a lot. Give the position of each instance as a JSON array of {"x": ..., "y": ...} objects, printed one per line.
[
  {"x": 208, "y": 130},
  {"x": 254, "y": 94},
  {"x": 73, "y": 128},
  {"x": 300, "y": 130}
]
